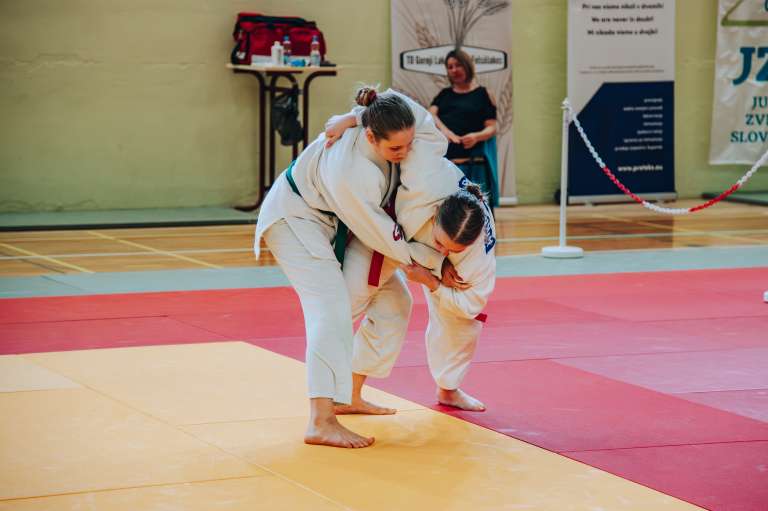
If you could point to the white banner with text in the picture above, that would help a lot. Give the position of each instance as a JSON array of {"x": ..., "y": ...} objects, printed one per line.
[
  {"x": 621, "y": 72},
  {"x": 740, "y": 105},
  {"x": 424, "y": 31}
]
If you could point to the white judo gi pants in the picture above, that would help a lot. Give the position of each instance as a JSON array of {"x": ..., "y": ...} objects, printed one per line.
[
  {"x": 450, "y": 340},
  {"x": 451, "y": 343},
  {"x": 325, "y": 303},
  {"x": 386, "y": 311}
]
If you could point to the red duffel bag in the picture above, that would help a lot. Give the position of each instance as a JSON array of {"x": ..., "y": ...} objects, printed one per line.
[{"x": 254, "y": 34}]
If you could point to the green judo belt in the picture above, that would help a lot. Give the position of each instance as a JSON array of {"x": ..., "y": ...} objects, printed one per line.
[{"x": 342, "y": 232}]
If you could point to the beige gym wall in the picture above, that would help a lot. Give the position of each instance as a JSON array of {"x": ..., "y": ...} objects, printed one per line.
[{"x": 110, "y": 104}]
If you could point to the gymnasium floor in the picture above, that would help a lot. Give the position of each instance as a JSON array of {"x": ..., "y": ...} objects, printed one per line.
[{"x": 149, "y": 369}]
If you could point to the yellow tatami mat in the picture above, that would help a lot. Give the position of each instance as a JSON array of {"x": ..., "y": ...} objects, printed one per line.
[
  {"x": 219, "y": 427},
  {"x": 18, "y": 373},
  {"x": 196, "y": 383}
]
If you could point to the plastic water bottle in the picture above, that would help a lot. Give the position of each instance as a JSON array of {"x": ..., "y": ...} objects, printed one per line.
[
  {"x": 277, "y": 54},
  {"x": 287, "y": 50},
  {"x": 314, "y": 53}
]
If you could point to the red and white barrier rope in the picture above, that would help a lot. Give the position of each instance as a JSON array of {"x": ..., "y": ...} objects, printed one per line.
[{"x": 653, "y": 207}]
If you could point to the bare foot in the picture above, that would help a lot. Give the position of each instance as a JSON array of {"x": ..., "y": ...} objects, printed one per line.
[
  {"x": 459, "y": 399},
  {"x": 361, "y": 406},
  {"x": 330, "y": 432}
]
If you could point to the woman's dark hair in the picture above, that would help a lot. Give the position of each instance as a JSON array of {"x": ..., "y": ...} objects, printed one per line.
[
  {"x": 462, "y": 215},
  {"x": 464, "y": 60},
  {"x": 384, "y": 113}
]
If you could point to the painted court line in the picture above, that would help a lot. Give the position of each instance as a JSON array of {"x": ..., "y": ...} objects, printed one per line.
[
  {"x": 163, "y": 252},
  {"x": 41, "y": 235},
  {"x": 683, "y": 230},
  {"x": 46, "y": 258},
  {"x": 114, "y": 254},
  {"x": 639, "y": 235}
]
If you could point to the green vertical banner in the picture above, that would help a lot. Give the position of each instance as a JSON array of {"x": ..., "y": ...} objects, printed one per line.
[{"x": 740, "y": 106}]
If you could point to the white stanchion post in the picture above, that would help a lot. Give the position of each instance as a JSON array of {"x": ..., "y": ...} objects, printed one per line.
[{"x": 563, "y": 251}]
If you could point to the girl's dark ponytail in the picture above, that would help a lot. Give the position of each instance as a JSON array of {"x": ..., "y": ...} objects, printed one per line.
[{"x": 462, "y": 215}]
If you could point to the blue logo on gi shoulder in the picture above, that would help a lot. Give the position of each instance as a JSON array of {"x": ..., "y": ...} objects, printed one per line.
[{"x": 490, "y": 239}]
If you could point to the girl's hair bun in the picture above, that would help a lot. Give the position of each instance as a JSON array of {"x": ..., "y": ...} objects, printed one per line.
[{"x": 365, "y": 96}]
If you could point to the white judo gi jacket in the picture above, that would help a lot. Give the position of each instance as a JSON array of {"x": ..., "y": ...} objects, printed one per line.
[
  {"x": 426, "y": 180},
  {"x": 348, "y": 181}
]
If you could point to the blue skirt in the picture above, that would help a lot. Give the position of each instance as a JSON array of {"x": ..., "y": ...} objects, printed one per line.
[{"x": 480, "y": 174}]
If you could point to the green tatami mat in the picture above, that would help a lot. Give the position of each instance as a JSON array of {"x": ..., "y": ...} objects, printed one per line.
[
  {"x": 759, "y": 198},
  {"x": 175, "y": 217}
]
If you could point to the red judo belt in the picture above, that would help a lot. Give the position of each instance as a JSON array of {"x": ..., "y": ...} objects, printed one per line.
[{"x": 377, "y": 260}]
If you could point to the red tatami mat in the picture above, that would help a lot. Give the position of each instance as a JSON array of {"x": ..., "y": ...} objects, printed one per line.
[
  {"x": 749, "y": 403},
  {"x": 594, "y": 339},
  {"x": 726, "y": 477},
  {"x": 676, "y": 373},
  {"x": 621, "y": 427},
  {"x": 737, "y": 332},
  {"x": 742, "y": 281},
  {"x": 249, "y": 324},
  {"x": 566, "y": 409},
  {"x": 18, "y": 338},
  {"x": 266, "y": 302}
]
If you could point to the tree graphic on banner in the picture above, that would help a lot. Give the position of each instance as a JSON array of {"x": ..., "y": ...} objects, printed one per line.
[{"x": 462, "y": 16}]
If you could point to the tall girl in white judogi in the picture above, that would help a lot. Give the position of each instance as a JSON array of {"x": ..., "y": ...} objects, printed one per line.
[{"x": 301, "y": 220}]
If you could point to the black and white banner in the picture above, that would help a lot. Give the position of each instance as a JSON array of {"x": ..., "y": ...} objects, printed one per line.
[
  {"x": 621, "y": 71},
  {"x": 740, "y": 105},
  {"x": 424, "y": 31}
]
